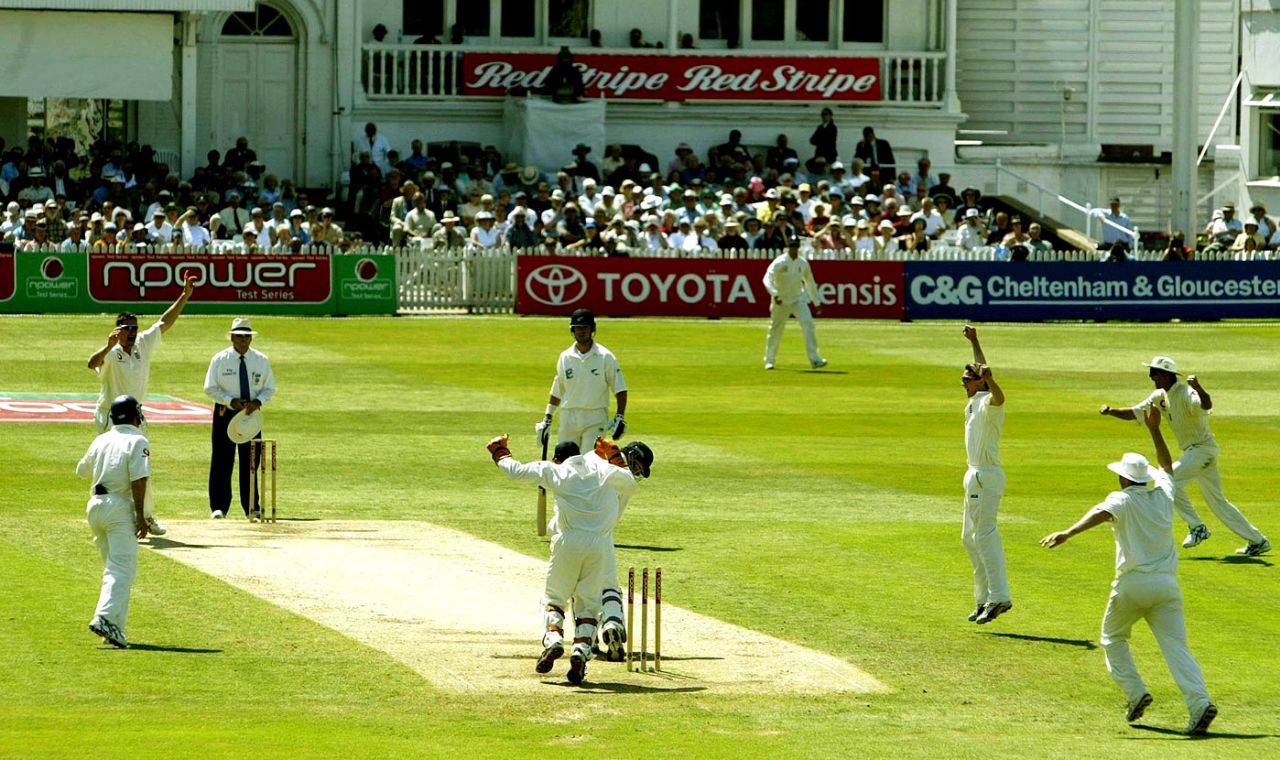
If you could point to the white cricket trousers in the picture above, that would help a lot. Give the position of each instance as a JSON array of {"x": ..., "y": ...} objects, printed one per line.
[
  {"x": 778, "y": 322},
  {"x": 582, "y": 565},
  {"x": 1156, "y": 598},
  {"x": 583, "y": 427},
  {"x": 1199, "y": 464},
  {"x": 983, "y": 487},
  {"x": 111, "y": 519}
]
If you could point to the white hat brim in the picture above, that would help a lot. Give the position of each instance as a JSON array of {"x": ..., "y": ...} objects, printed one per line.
[
  {"x": 1129, "y": 473},
  {"x": 244, "y": 427},
  {"x": 1162, "y": 369},
  {"x": 250, "y": 333}
]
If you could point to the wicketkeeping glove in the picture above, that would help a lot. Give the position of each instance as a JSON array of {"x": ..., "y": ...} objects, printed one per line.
[
  {"x": 608, "y": 451},
  {"x": 498, "y": 448},
  {"x": 543, "y": 430},
  {"x": 619, "y": 427}
]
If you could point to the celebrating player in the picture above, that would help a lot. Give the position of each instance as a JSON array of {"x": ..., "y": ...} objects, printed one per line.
[
  {"x": 124, "y": 366},
  {"x": 591, "y": 492},
  {"x": 119, "y": 464},
  {"x": 983, "y": 486},
  {"x": 586, "y": 373},
  {"x": 1146, "y": 584},
  {"x": 1187, "y": 406}
]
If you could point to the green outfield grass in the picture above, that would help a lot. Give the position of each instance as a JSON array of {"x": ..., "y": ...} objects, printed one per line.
[{"x": 821, "y": 507}]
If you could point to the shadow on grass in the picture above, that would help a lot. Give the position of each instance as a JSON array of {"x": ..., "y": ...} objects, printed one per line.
[
  {"x": 179, "y": 650},
  {"x": 1174, "y": 733},
  {"x": 1083, "y": 643},
  {"x": 643, "y": 548},
  {"x": 1235, "y": 559},
  {"x": 168, "y": 543},
  {"x": 823, "y": 371},
  {"x": 594, "y": 687}
]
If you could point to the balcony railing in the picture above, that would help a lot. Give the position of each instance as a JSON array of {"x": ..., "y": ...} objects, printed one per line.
[{"x": 422, "y": 72}]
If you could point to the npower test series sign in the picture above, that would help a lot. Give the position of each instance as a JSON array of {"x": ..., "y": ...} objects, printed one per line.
[
  {"x": 697, "y": 287},
  {"x": 682, "y": 77},
  {"x": 291, "y": 278}
]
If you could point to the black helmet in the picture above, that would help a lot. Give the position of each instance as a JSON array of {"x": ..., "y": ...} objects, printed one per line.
[
  {"x": 124, "y": 409},
  {"x": 639, "y": 456},
  {"x": 565, "y": 450},
  {"x": 582, "y": 318}
]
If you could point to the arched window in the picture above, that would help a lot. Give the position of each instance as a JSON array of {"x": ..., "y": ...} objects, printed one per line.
[{"x": 264, "y": 21}]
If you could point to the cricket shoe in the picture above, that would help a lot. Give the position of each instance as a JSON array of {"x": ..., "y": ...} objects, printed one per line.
[
  {"x": 1200, "y": 723},
  {"x": 108, "y": 631},
  {"x": 977, "y": 613},
  {"x": 549, "y": 657},
  {"x": 155, "y": 528},
  {"x": 993, "y": 611},
  {"x": 1198, "y": 535},
  {"x": 1137, "y": 707},
  {"x": 217, "y": 514},
  {"x": 577, "y": 668},
  {"x": 819, "y": 364},
  {"x": 1254, "y": 550},
  {"x": 614, "y": 637},
  {"x": 768, "y": 365}
]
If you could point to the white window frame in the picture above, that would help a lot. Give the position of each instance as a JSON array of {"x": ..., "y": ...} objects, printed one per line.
[
  {"x": 790, "y": 8},
  {"x": 544, "y": 18}
]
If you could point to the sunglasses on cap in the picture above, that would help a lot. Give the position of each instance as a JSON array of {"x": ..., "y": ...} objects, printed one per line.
[{"x": 128, "y": 328}]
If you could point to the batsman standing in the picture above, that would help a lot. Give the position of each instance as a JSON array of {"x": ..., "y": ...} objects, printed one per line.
[
  {"x": 591, "y": 492},
  {"x": 1187, "y": 405},
  {"x": 119, "y": 464},
  {"x": 1146, "y": 583},
  {"x": 124, "y": 367},
  {"x": 983, "y": 486},
  {"x": 586, "y": 373}
]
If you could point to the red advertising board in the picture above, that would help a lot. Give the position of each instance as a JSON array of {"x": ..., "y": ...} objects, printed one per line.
[
  {"x": 8, "y": 275},
  {"x": 556, "y": 285},
  {"x": 220, "y": 278},
  {"x": 682, "y": 77}
]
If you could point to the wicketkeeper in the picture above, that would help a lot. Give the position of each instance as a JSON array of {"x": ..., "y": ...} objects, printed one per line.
[{"x": 591, "y": 492}]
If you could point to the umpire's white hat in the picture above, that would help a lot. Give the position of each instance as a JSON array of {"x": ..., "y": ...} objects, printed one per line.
[
  {"x": 1133, "y": 467},
  {"x": 241, "y": 326}
]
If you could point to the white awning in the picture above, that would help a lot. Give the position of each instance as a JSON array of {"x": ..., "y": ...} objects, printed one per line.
[
  {"x": 119, "y": 56},
  {"x": 145, "y": 6},
  {"x": 1265, "y": 99}
]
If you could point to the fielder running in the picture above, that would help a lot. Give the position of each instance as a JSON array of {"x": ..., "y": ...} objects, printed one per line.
[
  {"x": 119, "y": 464},
  {"x": 1187, "y": 405},
  {"x": 124, "y": 367},
  {"x": 983, "y": 487},
  {"x": 586, "y": 373},
  {"x": 789, "y": 280},
  {"x": 591, "y": 493},
  {"x": 1146, "y": 583}
]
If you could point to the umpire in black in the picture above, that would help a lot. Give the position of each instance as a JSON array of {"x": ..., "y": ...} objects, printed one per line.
[{"x": 239, "y": 377}]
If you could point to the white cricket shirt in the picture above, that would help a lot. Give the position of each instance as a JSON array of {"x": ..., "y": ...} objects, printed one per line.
[
  {"x": 586, "y": 380},
  {"x": 222, "y": 381},
  {"x": 1143, "y": 527},
  {"x": 1181, "y": 407},
  {"x": 590, "y": 493},
  {"x": 790, "y": 280},
  {"x": 115, "y": 459},
  {"x": 127, "y": 374},
  {"x": 982, "y": 425}
]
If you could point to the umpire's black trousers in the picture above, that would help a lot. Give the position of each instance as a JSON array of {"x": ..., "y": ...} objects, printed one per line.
[{"x": 223, "y": 460}]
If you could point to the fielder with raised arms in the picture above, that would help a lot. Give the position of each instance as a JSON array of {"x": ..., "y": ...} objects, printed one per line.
[
  {"x": 1187, "y": 405},
  {"x": 124, "y": 367},
  {"x": 591, "y": 493},
  {"x": 984, "y": 486}
]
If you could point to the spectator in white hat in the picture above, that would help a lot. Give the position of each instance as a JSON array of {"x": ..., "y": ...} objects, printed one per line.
[
  {"x": 886, "y": 242},
  {"x": 971, "y": 235}
]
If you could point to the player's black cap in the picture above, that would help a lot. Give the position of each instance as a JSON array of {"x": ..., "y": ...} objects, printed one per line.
[
  {"x": 124, "y": 409},
  {"x": 566, "y": 450},
  {"x": 637, "y": 452},
  {"x": 582, "y": 318}
]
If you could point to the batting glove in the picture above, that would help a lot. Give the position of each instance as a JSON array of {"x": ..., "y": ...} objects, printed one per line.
[
  {"x": 619, "y": 427},
  {"x": 498, "y": 448},
  {"x": 543, "y": 431}
]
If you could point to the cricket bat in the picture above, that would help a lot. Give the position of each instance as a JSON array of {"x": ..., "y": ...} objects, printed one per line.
[{"x": 542, "y": 497}]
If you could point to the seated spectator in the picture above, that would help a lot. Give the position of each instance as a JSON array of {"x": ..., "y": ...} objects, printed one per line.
[
  {"x": 417, "y": 226},
  {"x": 699, "y": 240},
  {"x": 832, "y": 236},
  {"x": 256, "y": 233},
  {"x": 971, "y": 235},
  {"x": 886, "y": 244},
  {"x": 519, "y": 234},
  {"x": 1266, "y": 225},
  {"x": 1177, "y": 250},
  {"x": 1001, "y": 228},
  {"x": 904, "y": 188},
  {"x": 483, "y": 235},
  {"x": 863, "y": 243},
  {"x": 917, "y": 239},
  {"x": 776, "y": 157},
  {"x": 1118, "y": 253},
  {"x": 159, "y": 232},
  {"x": 1034, "y": 243},
  {"x": 819, "y": 219},
  {"x": 944, "y": 188},
  {"x": 448, "y": 236},
  {"x": 970, "y": 198},
  {"x": 1224, "y": 230},
  {"x": 732, "y": 240},
  {"x": 775, "y": 235},
  {"x": 1015, "y": 236},
  {"x": 934, "y": 222},
  {"x": 1250, "y": 234},
  {"x": 590, "y": 243}
]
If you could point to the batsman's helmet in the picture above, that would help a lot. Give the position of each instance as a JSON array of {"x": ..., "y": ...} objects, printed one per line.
[
  {"x": 124, "y": 409},
  {"x": 565, "y": 450},
  {"x": 639, "y": 458},
  {"x": 582, "y": 318}
]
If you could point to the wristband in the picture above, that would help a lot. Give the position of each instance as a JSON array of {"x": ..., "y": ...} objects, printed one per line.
[{"x": 551, "y": 410}]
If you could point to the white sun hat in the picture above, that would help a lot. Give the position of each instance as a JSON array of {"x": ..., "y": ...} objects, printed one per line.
[
  {"x": 1133, "y": 467},
  {"x": 244, "y": 427},
  {"x": 241, "y": 326},
  {"x": 1163, "y": 363}
]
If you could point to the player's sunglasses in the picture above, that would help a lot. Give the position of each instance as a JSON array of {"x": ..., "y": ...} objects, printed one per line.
[{"x": 129, "y": 328}]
